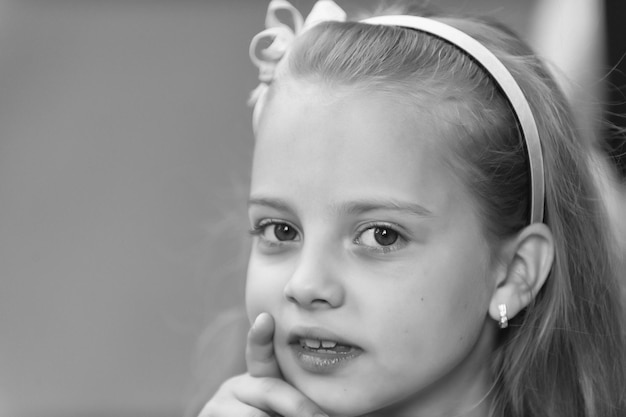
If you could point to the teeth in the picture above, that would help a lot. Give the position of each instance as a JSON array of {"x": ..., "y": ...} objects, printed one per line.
[
  {"x": 317, "y": 344},
  {"x": 311, "y": 343},
  {"x": 327, "y": 344}
]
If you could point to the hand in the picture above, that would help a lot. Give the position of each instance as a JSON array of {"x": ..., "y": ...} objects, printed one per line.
[{"x": 261, "y": 392}]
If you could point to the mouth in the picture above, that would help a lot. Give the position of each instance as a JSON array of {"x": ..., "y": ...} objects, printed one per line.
[{"x": 319, "y": 351}]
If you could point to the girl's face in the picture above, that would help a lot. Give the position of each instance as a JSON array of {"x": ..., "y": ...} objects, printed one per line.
[{"x": 369, "y": 256}]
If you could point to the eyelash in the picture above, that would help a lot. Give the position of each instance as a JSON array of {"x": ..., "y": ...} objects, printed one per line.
[{"x": 400, "y": 241}]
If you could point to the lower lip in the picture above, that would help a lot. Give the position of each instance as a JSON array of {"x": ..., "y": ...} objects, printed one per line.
[{"x": 323, "y": 362}]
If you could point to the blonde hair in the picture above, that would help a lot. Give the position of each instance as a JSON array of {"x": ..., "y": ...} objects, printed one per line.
[{"x": 564, "y": 355}]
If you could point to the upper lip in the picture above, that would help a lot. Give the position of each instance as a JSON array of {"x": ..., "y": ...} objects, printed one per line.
[{"x": 319, "y": 333}]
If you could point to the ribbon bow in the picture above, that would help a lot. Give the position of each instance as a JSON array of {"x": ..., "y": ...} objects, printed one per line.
[{"x": 281, "y": 35}]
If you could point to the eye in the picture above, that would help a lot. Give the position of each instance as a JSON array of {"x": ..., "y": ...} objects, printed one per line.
[
  {"x": 382, "y": 238},
  {"x": 275, "y": 232},
  {"x": 283, "y": 232}
]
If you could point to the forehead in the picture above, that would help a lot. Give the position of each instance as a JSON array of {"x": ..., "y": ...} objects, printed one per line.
[
  {"x": 303, "y": 116},
  {"x": 338, "y": 145}
]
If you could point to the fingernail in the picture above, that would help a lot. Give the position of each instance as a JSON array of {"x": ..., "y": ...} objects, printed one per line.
[
  {"x": 254, "y": 323},
  {"x": 257, "y": 320}
]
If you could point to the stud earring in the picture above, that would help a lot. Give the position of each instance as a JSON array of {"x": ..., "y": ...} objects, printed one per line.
[{"x": 504, "y": 320}]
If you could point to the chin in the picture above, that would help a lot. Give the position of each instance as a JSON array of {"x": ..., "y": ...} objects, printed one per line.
[
  {"x": 340, "y": 400},
  {"x": 341, "y": 408},
  {"x": 341, "y": 391}
]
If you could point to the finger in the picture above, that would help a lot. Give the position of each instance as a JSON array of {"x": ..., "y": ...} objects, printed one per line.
[
  {"x": 260, "y": 357},
  {"x": 225, "y": 402},
  {"x": 276, "y": 396},
  {"x": 224, "y": 409}
]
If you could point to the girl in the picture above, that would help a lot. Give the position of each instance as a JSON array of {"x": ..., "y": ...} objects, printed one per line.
[{"x": 427, "y": 238}]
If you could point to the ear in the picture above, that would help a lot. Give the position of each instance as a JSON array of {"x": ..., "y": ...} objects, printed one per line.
[{"x": 528, "y": 259}]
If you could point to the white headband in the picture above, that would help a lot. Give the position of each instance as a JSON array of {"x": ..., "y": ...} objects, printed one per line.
[{"x": 327, "y": 10}]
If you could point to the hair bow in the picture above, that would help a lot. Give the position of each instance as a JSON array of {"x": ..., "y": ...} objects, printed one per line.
[{"x": 281, "y": 36}]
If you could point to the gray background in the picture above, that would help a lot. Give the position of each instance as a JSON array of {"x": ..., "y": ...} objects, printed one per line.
[{"x": 124, "y": 151}]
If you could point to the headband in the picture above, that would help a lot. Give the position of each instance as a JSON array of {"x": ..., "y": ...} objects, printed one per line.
[{"x": 327, "y": 10}]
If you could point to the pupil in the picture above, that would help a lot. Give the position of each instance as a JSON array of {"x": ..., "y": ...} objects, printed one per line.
[
  {"x": 284, "y": 232},
  {"x": 385, "y": 237}
]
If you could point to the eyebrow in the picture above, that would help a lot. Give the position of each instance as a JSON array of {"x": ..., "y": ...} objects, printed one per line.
[{"x": 352, "y": 207}]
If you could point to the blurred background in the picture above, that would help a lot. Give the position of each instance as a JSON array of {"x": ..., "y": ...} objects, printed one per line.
[{"x": 125, "y": 145}]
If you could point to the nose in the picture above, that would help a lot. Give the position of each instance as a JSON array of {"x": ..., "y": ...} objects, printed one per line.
[{"x": 316, "y": 281}]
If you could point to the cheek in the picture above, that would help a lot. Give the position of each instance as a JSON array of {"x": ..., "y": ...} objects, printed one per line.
[
  {"x": 264, "y": 289},
  {"x": 434, "y": 307},
  {"x": 458, "y": 280},
  {"x": 432, "y": 332}
]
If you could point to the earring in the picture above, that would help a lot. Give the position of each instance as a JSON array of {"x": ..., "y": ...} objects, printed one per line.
[{"x": 504, "y": 320}]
